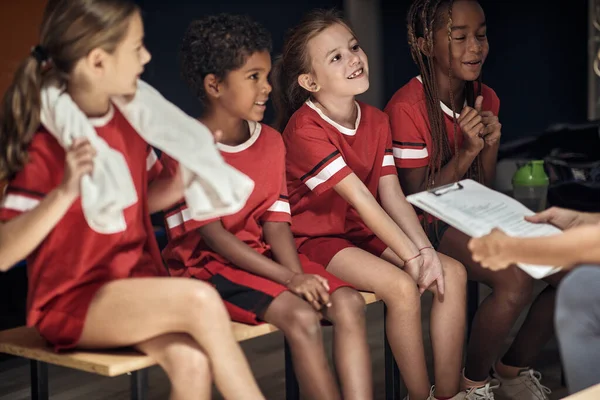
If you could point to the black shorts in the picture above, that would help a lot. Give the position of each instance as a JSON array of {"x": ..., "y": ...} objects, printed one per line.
[{"x": 435, "y": 232}]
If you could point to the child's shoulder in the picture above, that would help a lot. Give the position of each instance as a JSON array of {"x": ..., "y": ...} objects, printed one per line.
[
  {"x": 269, "y": 131},
  {"x": 304, "y": 117},
  {"x": 408, "y": 96},
  {"x": 491, "y": 101},
  {"x": 372, "y": 114},
  {"x": 487, "y": 91},
  {"x": 270, "y": 134},
  {"x": 44, "y": 142}
]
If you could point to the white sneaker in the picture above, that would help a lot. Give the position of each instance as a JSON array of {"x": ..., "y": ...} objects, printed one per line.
[
  {"x": 458, "y": 396},
  {"x": 526, "y": 386},
  {"x": 483, "y": 392}
]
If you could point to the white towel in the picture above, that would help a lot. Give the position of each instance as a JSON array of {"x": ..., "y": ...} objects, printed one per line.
[{"x": 212, "y": 187}]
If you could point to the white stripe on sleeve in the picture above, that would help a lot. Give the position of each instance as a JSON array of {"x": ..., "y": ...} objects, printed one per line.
[{"x": 326, "y": 173}]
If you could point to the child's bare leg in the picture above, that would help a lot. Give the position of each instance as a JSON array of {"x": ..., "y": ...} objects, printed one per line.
[
  {"x": 185, "y": 363},
  {"x": 447, "y": 325},
  {"x": 301, "y": 325},
  {"x": 496, "y": 315},
  {"x": 350, "y": 348},
  {"x": 366, "y": 272},
  {"x": 143, "y": 308}
]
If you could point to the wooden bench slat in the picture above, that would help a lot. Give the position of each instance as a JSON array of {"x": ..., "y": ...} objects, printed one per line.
[{"x": 27, "y": 343}]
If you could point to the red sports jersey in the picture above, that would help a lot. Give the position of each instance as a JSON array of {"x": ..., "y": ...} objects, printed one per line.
[
  {"x": 261, "y": 158},
  {"x": 73, "y": 256},
  {"x": 320, "y": 153},
  {"x": 411, "y": 132}
]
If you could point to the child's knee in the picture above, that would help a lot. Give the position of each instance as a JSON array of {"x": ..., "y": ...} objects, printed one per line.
[
  {"x": 400, "y": 290},
  {"x": 302, "y": 322},
  {"x": 347, "y": 304},
  {"x": 514, "y": 286},
  {"x": 455, "y": 273},
  {"x": 203, "y": 295}
]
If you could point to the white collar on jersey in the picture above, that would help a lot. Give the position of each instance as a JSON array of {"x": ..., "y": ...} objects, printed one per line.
[
  {"x": 444, "y": 107},
  {"x": 342, "y": 129},
  {"x": 99, "y": 122},
  {"x": 255, "y": 129}
]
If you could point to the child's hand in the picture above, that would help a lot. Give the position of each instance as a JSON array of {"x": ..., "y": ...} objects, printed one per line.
[
  {"x": 493, "y": 128},
  {"x": 492, "y": 250},
  {"x": 472, "y": 127},
  {"x": 312, "y": 288},
  {"x": 79, "y": 161},
  {"x": 559, "y": 217},
  {"x": 432, "y": 271},
  {"x": 413, "y": 267}
]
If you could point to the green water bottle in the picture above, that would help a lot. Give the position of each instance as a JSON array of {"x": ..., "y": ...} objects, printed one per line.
[{"x": 530, "y": 185}]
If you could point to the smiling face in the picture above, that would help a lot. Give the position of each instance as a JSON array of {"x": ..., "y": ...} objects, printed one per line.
[
  {"x": 245, "y": 91},
  {"x": 469, "y": 43},
  {"x": 339, "y": 65}
]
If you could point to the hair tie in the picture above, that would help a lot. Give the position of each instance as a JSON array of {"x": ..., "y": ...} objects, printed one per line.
[
  {"x": 40, "y": 54},
  {"x": 42, "y": 57}
]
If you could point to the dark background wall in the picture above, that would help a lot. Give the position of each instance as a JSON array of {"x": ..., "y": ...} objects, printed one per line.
[
  {"x": 166, "y": 22},
  {"x": 537, "y": 63}
]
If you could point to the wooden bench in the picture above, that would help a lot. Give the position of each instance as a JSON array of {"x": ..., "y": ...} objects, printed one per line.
[{"x": 27, "y": 343}]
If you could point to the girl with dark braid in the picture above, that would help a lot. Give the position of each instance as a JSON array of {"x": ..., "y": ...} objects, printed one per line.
[{"x": 445, "y": 128}]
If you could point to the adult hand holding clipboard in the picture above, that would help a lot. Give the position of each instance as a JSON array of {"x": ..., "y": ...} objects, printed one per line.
[
  {"x": 481, "y": 212},
  {"x": 577, "y": 244},
  {"x": 492, "y": 251}
]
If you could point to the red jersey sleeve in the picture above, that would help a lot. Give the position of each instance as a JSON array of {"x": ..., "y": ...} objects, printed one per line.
[
  {"x": 178, "y": 219},
  {"x": 388, "y": 166},
  {"x": 409, "y": 138},
  {"x": 39, "y": 176},
  {"x": 495, "y": 101},
  {"x": 279, "y": 211},
  {"x": 313, "y": 158},
  {"x": 153, "y": 164}
]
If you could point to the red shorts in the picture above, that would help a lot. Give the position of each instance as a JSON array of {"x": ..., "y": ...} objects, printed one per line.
[
  {"x": 323, "y": 249},
  {"x": 61, "y": 321},
  {"x": 247, "y": 296}
]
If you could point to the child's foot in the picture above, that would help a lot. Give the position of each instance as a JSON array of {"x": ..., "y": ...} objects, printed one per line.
[
  {"x": 479, "y": 390},
  {"x": 525, "y": 386},
  {"x": 484, "y": 392},
  {"x": 459, "y": 396}
]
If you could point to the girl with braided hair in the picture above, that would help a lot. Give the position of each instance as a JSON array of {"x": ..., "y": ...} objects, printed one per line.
[{"x": 445, "y": 128}]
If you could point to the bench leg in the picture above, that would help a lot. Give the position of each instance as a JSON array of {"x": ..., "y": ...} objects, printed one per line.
[
  {"x": 472, "y": 304},
  {"x": 292, "y": 389},
  {"x": 393, "y": 384},
  {"x": 139, "y": 384},
  {"x": 39, "y": 380}
]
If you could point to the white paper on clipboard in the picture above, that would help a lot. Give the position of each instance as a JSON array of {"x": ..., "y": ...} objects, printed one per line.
[{"x": 475, "y": 210}]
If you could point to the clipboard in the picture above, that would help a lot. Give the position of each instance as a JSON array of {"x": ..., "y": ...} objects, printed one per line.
[{"x": 475, "y": 210}]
